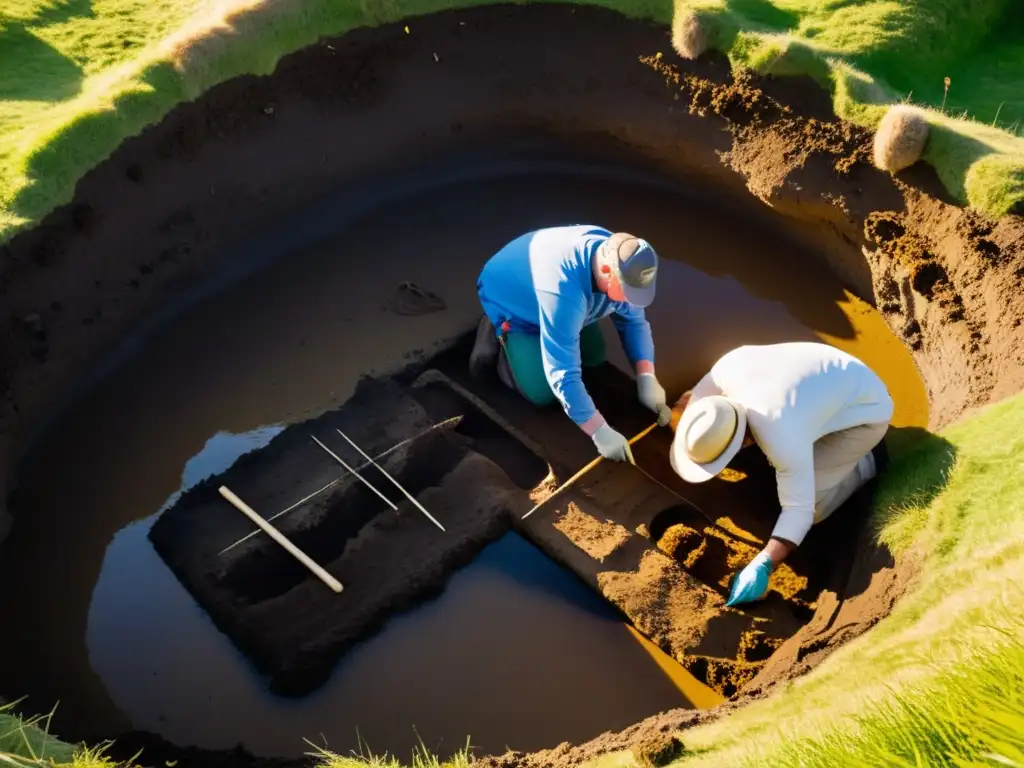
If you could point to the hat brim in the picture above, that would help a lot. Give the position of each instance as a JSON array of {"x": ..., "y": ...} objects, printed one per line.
[
  {"x": 693, "y": 472},
  {"x": 639, "y": 297}
]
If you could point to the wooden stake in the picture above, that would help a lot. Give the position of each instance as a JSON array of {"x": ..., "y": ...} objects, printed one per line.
[
  {"x": 582, "y": 472},
  {"x": 440, "y": 425},
  {"x": 281, "y": 539},
  {"x": 408, "y": 495}
]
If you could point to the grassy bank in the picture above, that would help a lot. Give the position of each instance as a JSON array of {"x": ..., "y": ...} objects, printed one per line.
[
  {"x": 78, "y": 77},
  {"x": 873, "y": 53}
]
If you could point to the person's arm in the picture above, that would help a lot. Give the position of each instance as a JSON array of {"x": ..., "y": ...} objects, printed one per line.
[
  {"x": 635, "y": 334},
  {"x": 795, "y": 482},
  {"x": 561, "y": 321},
  {"x": 795, "y": 479}
]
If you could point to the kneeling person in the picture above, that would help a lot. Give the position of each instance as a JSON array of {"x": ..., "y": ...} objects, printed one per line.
[
  {"x": 542, "y": 295},
  {"x": 818, "y": 413}
]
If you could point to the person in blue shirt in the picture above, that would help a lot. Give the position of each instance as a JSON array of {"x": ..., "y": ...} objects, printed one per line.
[{"x": 542, "y": 295}]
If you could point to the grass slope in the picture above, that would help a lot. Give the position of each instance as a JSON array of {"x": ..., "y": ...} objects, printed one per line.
[
  {"x": 77, "y": 77},
  {"x": 872, "y": 53}
]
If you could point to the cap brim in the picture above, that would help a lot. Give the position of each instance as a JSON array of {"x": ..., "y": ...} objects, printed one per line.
[
  {"x": 639, "y": 297},
  {"x": 692, "y": 472}
]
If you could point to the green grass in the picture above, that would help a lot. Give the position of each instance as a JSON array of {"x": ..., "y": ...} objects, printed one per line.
[
  {"x": 421, "y": 758},
  {"x": 872, "y": 53},
  {"x": 27, "y": 743}
]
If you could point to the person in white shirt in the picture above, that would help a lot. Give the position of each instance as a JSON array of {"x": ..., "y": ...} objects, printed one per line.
[{"x": 818, "y": 413}]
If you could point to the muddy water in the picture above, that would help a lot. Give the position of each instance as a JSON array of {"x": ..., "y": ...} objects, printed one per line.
[{"x": 515, "y": 652}]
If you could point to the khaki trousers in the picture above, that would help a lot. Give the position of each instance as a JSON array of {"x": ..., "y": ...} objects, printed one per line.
[{"x": 843, "y": 462}]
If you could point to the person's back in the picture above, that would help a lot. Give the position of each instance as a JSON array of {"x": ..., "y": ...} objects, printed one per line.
[
  {"x": 543, "y": 294},
  {"x": 818, "y": 414},
  {"x": 553, "y": 260},
  {"x": 805, "y": 389}
]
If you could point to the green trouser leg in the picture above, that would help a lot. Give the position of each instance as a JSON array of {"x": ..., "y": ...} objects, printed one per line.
[{"x": 522, "y": 352}]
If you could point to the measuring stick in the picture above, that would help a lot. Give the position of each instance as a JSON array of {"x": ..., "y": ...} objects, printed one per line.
[
  {"x": 446, "y": 423},
  {"x": 408, "y": 495},
  {"x": 584, "y": 471},
  {"x": 281, "y": 539}
]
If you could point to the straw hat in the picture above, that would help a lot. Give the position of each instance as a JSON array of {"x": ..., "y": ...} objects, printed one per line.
[{"x": 710, "y": 432}]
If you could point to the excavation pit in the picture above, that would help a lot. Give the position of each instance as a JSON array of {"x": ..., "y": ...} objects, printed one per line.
[{"x": 240, "y": 288}]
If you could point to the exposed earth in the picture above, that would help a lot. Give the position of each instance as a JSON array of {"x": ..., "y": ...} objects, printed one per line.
[{"x": 168, "y": 213}]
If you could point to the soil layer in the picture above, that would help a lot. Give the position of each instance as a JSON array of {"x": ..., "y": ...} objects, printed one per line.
[{"x": 165, "y": 214}]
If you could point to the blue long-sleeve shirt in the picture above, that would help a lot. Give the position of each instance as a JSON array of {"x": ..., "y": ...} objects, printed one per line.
[{"x": 542, "y": 282}]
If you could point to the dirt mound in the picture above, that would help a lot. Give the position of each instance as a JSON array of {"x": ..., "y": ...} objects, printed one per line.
[{"x": 161, "y": 217}]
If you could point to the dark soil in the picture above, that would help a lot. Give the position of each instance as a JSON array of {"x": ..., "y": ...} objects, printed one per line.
[
  {"x": 162, "y": 215},
  {"x": 291, "y": 625}
]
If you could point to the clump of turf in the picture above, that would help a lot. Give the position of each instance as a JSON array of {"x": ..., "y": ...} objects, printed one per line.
[
  {"x": 900, "y": 138},
  {"x": 689, "y": 37}
]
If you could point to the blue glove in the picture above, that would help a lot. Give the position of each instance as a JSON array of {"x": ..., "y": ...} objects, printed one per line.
[{"x": 752, "y": 582}]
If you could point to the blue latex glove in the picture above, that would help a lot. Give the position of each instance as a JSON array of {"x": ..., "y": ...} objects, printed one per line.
[{"x": 752, "y": 582}]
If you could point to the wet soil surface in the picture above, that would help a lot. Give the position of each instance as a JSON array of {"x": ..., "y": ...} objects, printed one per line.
[
  {"x": 191, "y": 207},
  {"x": 292, "y": 626}
]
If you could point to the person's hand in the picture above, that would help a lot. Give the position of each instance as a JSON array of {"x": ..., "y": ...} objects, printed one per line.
[
  {"x": 652, "y": 394},
  {"x": 612, "y": 445},
  {"x": 751, "y": 583}
]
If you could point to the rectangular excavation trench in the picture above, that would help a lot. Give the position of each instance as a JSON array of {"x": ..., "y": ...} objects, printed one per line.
[{"x": 474, "y": 477}]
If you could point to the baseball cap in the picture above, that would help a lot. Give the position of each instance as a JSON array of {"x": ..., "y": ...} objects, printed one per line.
[{"x": 634, "y": 263}]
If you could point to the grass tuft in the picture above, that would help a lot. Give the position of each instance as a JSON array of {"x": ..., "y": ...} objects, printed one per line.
[
  {"x": 365, "y": 758},
  {"x": 689, "y": 38},
  {"x": 900, "y": 138}
]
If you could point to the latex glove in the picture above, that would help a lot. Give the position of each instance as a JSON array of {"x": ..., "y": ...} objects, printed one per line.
[
  {"x": 612, "y": 445},
  {"x": 652, "y": 394},
  {"x": 751, "y": 583}
]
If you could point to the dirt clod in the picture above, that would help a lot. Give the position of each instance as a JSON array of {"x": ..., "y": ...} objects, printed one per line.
[{"x": 657, "y": 749}]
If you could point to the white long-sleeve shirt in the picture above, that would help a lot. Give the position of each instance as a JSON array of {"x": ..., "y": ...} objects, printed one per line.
[{"x": 795, "y": 393}]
